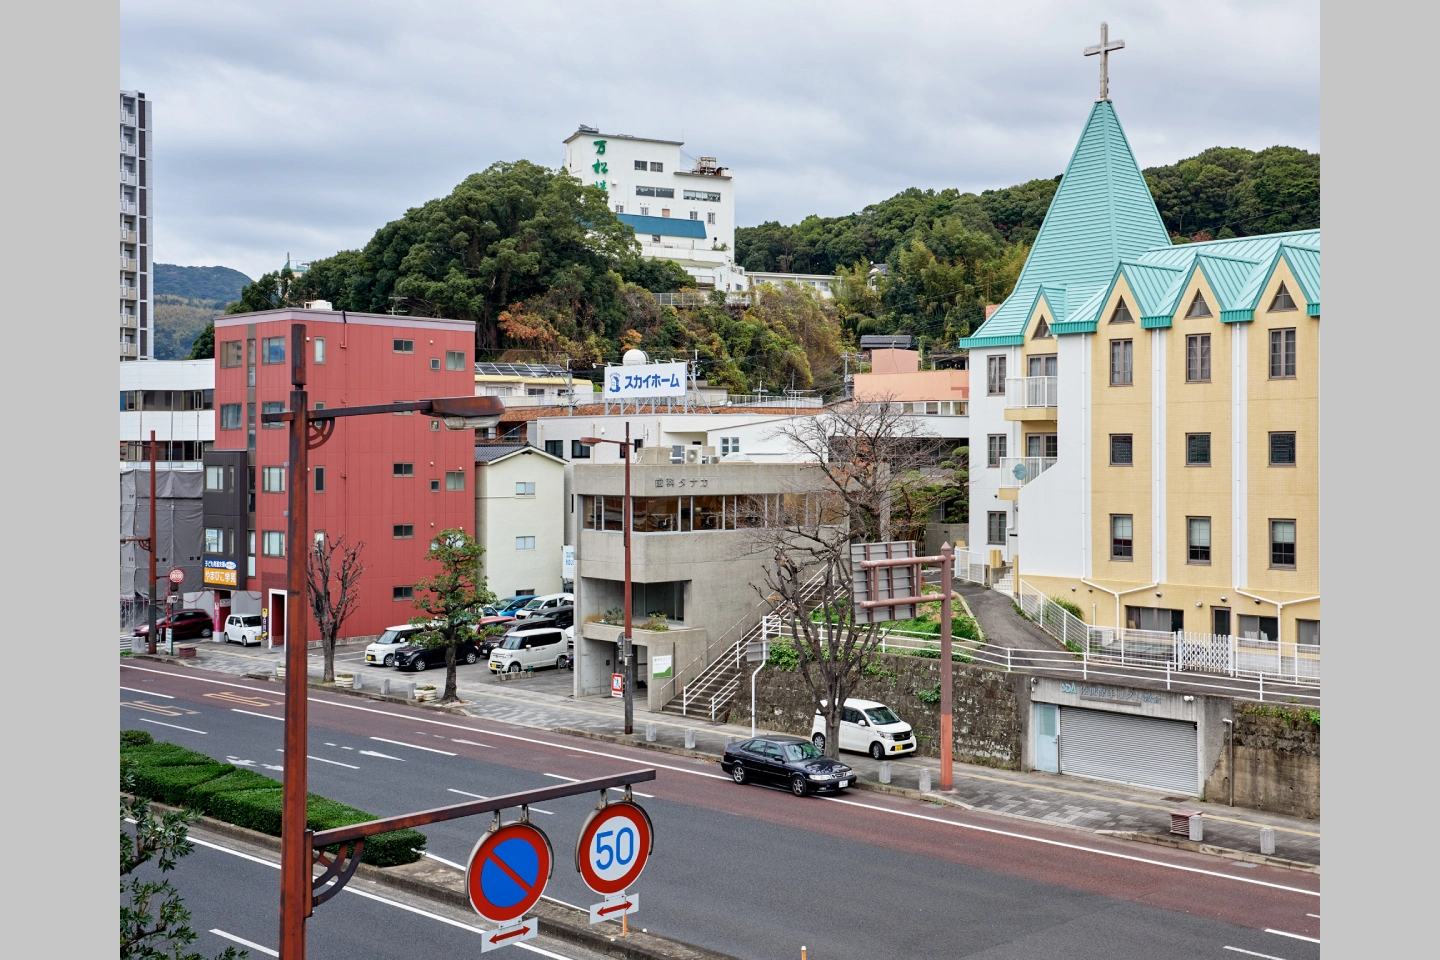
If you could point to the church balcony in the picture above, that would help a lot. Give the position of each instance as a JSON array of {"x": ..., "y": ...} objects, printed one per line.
[{"x": 1031, "y": 398}]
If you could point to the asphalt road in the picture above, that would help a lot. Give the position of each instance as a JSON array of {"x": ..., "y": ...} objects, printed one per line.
[{"x": 755, "y": 872}]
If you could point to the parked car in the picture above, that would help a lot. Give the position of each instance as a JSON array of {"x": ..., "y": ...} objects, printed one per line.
[
  {"x": 867, "y": 726},
  {"x": 383, "y": 650},
  {"x": 540, "y": 647},
  {"x": 187, "y": 624},
  {"x": 244, "y": 628},
  {"x": 562, "y": 616},
  {"x": 509, "y": 605},
  {"x": 423, "y": 658},
  {"x": 539, "y": 606},
  {"x": 785, "y": 761}
]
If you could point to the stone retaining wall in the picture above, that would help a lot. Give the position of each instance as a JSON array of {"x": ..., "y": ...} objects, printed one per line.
[{"x": 1277, "y": 761}]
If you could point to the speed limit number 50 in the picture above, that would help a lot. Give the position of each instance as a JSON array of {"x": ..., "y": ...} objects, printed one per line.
[{"x": 613, "y": 847}]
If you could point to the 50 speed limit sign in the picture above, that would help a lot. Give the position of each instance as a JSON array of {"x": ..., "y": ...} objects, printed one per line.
[{"x": 613, "y": 847}]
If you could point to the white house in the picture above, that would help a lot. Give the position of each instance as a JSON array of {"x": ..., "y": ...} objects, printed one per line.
[
  {"x": 681, "y": 211},
  {"x": 520, "y": 517}
]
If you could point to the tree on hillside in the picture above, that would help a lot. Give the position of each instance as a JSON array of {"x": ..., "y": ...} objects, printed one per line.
[
  {"x": 1231, "y": 191},
  {"x": 271, "y": 292},
  {"x": 333, "y": 561},
  {"x": 452, "y": 599},
  {"x": 204, "y": 346}
]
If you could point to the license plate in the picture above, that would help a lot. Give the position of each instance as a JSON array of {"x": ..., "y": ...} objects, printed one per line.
[
  {"x": 843, "y": 783},
  {"x": 371, "y": 659}
]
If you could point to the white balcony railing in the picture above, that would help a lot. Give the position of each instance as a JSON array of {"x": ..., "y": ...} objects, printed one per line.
[
  {"x": 129, "y": 208},
  {"x": 127, "y": 148},
  {"x": 128, "y": 265},
  {"x": 1031, "y": 392},
  {"x": 1018, "y": 471},
  {"x": 128, "y": 293}
]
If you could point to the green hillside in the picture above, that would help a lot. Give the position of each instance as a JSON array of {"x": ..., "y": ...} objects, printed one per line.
[{"x": 199, "y": 283}]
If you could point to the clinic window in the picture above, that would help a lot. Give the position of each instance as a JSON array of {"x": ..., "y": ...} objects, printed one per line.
[
  {"x": 403, "y": 531},
  {"x": 1122, "y": 536},
  {"x": 272, "y": 350},
  {"x": 272, "y": 543},
  {"x": 232, "y": 354},
  {"x": 403, "y": 346},
  {"x": 402, "y": 469},
  {"x": 272, "y": 479}
]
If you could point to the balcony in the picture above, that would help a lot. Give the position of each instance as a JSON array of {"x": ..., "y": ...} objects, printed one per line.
[
  {"x": 129, "y": 349},
  {"x": 128, "y": 265},
  {"x": 1032, "y": 398},
  {"x": 129, "y": 293},
  {"x": 1015, "y": 472},
  {"x": 128, "y": 207},
  {"x": 129, "y": 176},
  {"x": 127, "y": 148},
  {"x": 127, "y": 320},
  {"x": 129, "y": 236}
]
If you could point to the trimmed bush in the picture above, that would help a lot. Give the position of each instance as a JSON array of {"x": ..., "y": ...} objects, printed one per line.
[
  {"x": 135, "y": 738},
  {"x": 171, "y": 784},
  {"x": 164, "y": 754},
  {"x": 205, "y": 796}
]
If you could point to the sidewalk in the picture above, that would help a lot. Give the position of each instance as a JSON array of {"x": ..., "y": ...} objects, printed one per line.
[{"x": 545, "y": 701}]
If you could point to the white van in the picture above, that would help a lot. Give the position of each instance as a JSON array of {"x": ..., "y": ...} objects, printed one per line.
[
  {"x": 540, "y": 606},
  {"x": 542, "y": 647},
  {"x": 244, "y": 628},
  {"x": 867, "y": 726},
  {"x": 384, "y": 649}
]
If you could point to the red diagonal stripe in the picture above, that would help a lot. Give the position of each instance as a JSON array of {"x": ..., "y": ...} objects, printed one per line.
[{"x": 509, "y": 872}]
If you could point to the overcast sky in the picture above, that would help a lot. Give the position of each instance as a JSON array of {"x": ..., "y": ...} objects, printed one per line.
[{"x": 302, "y": 126}]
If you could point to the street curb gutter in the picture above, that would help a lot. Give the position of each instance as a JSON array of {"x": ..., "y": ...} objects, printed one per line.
[
  {"x": 561, "y": 922},
  {"x": 1226, "y": 852},
  {"x": 933, "y": 797}
]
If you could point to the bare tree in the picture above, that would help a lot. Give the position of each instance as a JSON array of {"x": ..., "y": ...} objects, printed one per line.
[
  {"x": 876, "y": 471},
  {"x": 333, "y": 561}
]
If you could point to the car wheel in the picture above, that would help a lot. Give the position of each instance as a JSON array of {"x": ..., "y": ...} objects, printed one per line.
[
  {"x": 389, "y": 659},
  {"x": 737, "y": 772},
  {"x": 877, "y": 752},
  {"x": 206, "y": 632},
  {"x": 798, "y": 786},
  {"x": 471, "y": 657},
  {"x": 560, "y": 663},
  {"x": 513, "y": 668},
  {"x": 819, "y": 741},
  {"x": 420, "y": 663}
]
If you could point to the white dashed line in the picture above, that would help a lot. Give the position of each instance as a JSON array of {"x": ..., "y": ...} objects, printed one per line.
[
  {"x": 246, "y": 943},
  {"x": 172, "y": 726},
  {"x": 414, "y": 746}
]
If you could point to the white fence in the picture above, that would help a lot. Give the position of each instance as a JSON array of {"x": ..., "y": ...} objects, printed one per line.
[
  {"x": 1018, "y": 471},
  {"x": 1032, "y": 392},
  {"x": 972, "y": 566}
]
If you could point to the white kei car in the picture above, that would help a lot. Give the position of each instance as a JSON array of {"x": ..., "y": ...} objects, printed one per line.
[
  {"x": 383, "y": 650},
  {"x": 867, "y": 726},
  {"x": 541, "y": 647},
  {"x": 542, "y": 605},
  {"x": 244, "y": 628}
]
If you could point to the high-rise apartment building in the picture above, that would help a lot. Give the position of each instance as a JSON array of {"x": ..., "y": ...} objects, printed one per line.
[{"x": 136, "y": 236}]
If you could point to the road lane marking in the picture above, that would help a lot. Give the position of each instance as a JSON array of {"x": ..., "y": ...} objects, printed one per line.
[
  {"x": 715, "y": 776},
  {"x": 566, "y": 779},
  {"x": 649, "y": 796},
  {"x": 149, "y": 693},
  {"x": 1315, "y": 915},
  {"x": 164, "y": 709},
  {"x": 1252, "y": 953},
  {"x": 393, "y": 903},
  {"x": 481, "y": 796},
  {"x": 472, "y": 743},
  {"x": 335, "y": 762},
  {"x": 172, "y": 726},
  {"x": 254, "y": 714},
  {"x": 413, "y": 746},
  {"x": 248, "y": 701},
  {"x": 376, "y": 753},
  {"x": 246, "y": 943},
  {"x": 1295, "y": 936}
]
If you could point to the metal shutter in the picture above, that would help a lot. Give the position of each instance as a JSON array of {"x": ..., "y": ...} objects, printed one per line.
[{"x": 1162, "y": 754}]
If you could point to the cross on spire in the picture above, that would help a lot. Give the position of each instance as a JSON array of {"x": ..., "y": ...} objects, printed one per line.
[{"x": 1104, "y": 48}]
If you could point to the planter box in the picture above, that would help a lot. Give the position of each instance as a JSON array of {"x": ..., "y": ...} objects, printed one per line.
[{"x": 185, "y": 653}]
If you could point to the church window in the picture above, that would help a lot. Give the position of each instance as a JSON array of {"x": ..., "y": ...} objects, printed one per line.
[
  {"x": 1122, "y": 313},
  {"x": 1042, "y": 330},
  {"x": 1282, "y": 300},
  {"x": 1198, "y": 307}
]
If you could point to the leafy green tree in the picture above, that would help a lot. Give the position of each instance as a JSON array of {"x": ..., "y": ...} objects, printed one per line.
[
  {"x": 271, "y": 292},
  {"x": 452, "y": 599},
  {"x": 154, "y": 923},
  {"x": 204, "y": 346}
]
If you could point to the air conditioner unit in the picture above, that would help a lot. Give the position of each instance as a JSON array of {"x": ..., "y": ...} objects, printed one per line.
[{"x": 692, "y": 455}]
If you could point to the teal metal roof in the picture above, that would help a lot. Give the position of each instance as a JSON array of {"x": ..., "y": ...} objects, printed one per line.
[
  {"x": 664, "y": 226},
  {"x": 1101, "y": 213}
]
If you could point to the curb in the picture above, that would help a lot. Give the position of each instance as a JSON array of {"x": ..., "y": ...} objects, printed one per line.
[
  {"x": 456, "y": 709},
  {"x": 1226, "y": 852},
  {"x": 561, "y": 921}
]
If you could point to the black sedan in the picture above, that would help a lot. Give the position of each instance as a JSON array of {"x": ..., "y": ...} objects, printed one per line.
[
  {"x": 422, "y": 658},
  {"x": 786, "y": 761}
]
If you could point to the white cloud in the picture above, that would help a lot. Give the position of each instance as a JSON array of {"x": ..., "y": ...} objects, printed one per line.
[{"x": 302, "y": 127}]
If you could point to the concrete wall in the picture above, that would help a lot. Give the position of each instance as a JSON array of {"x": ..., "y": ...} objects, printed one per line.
[
  {"x": 602, "y": 639},
  {"x": 991, "y": 707},
  {"x": 1277, "y": 762}
]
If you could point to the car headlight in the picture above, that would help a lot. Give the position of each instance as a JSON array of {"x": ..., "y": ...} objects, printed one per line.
[
  {"x": 886, "y": 736},
  {"x": 822, "y": 776}
]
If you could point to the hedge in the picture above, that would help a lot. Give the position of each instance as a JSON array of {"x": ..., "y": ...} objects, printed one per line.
[{"x": 172, "y": 774}]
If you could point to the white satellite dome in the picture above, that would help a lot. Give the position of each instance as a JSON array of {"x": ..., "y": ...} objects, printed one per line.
[{"x": 634, "y": 358}]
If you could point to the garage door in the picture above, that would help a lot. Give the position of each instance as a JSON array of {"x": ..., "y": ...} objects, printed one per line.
[{"x": 1161, "y": 754}]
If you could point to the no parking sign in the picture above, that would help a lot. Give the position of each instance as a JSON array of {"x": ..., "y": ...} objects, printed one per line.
[{"x": 506, "y": 874}]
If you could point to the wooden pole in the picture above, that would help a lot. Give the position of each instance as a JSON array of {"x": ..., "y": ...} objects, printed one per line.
[
  {"x": 628, "y": 642},
  {"x": 295, "y": 869},
  {"x": 154, "y": 543},
  {"x": 947, "y": 671}
]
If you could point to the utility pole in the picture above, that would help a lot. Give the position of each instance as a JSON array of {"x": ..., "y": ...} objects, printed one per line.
[
  {"x": 154, "y": 542},
  {"x": 629, "y": 648},
  {"x": 947, "y": 671}
]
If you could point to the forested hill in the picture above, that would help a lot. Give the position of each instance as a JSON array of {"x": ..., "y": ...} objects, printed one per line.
[
  {"x": 1221, "y": 192},
  {"x": 220, "y": 284}
]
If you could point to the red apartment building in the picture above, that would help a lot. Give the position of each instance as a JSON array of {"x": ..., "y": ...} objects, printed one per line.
[{"x": 392, "y": 482}]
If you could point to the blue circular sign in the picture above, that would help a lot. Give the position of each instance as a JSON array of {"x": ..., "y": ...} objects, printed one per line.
[
  {"x": 508, "y": 871},
  {"x": 1019, "y": 471}
]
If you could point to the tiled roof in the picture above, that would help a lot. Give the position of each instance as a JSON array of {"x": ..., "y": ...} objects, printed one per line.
[{"x": 490, "y": 452}]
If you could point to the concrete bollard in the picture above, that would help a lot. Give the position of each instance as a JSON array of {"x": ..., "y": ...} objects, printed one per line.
[
  {"x": 884, "y": 771},
  {"x": 356, "y": 682},
  {"x": 279, "y": 669},
  {"x": 650, "y": 733},
  {"x": 385, "y": 687},
  {"x": 924, "y": 779},
  {"x": 689, "y": 739},
  {"x": 1197, "y": 828},
  {"x": 1267, "y": 841}
]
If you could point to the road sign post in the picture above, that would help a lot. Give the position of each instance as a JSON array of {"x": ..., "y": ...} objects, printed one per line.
[
  {"x": 611, "y": 852},
  {"x": 505, "y": 877},
  {"x": 177, "y": 576},
  {"x": 617, "y": 684}
]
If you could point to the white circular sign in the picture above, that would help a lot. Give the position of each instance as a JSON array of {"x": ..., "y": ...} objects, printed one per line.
[{"x": 613, "y": 847}]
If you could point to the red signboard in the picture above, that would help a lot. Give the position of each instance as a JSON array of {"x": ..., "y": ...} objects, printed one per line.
[
  {"x": 177, "y": 576},
  {"x": 613, "y": 847},
  {"x": 617, "y": 684}
]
